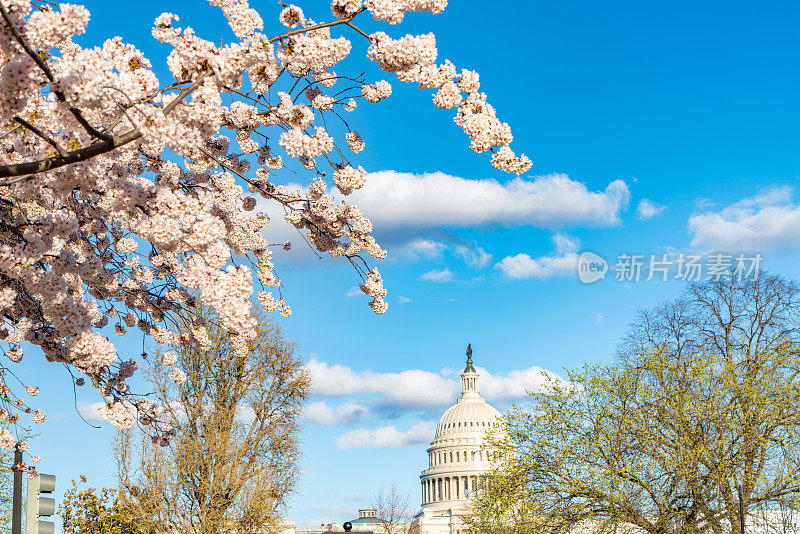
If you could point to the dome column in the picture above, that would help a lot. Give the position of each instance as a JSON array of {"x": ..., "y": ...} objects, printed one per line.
[{"x": 456, "y": 454}]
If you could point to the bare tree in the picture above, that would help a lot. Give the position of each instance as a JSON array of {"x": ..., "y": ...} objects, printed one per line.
[
  {"x": 235, "y": 457},
  {"x": 393, "y": 510}
]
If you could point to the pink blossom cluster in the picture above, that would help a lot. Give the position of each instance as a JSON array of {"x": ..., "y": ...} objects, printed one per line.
[
  {"x": 313, "y": 52},
  {"x": 125, "y": 199},
  {"x": 7, "y": 440},
  {"x": 242, "y": 19},
  {"x": 345, "y": 8},
  {"x": 177, "y": 375},
  {"x": 46, "y": 29},
  {"x": 354, "y": 142},
  {"x": 169, "y": 358},
  {"x": 119, "y": 413},
  {"x": 348, "y": 179},
  {"x": 376, "y": 92},
  {"x": 296, "y": 143},
  {"x": 413, "y": 59},
  {"x": 373, "y": 287},
  {"x": 393, "y": 11}
]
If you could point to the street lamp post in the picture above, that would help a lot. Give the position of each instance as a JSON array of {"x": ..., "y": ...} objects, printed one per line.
[{"x": 16, "y": 502}]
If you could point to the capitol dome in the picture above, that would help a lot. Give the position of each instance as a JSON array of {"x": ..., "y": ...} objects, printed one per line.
[
  {"x": 466, "y": 417},
  {"x": 457, "y": 456}
]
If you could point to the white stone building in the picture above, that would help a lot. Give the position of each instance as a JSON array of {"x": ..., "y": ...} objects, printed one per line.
[{"x": 457, "y": 460}]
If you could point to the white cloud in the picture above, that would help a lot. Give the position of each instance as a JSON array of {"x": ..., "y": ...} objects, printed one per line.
[
  {"x": 399, "y": 204},
  {"x": 473, "y": 255},
  {"x": 563, "y": 261},
  {"x": 769, "y": 221},
  {"x": 704, "y": 204},
  {"x": 392, "y": 199},
  {"x": 91, "y": 410},
  {"x": 647, "y": 209},
  {"x": 410, "y": 388},
  {"x": 415, "y": 388},
  {"x": 514, "y": 385},
  {"x": 500, "y": 388},
  {"x": 598, "y": 318},
  {"x": 403, "y": 299},
  {"x": 439, "y": 275},
  {"x": 355, "y": 292},
  {"x": 387, "y": 437},
  {"x": 419, "y": 248},
  {"x": 348, "y": 413},
  {"x": 432, "y": 249}
]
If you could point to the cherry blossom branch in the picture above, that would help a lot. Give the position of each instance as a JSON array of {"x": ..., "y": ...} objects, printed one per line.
[
  {"x": 41, "y": 134},
  {"x": 116, "y": 121},
  {"x": 11, "y": 130},
  {"x": 316, "y": 26},
  {"x": 359, "y": 30},
  {"x": 75, "y": 397},
  {"x": 26, "y": 171},
  {"x": 46, "y": 70},
  {"x": 242, "y": 176}
]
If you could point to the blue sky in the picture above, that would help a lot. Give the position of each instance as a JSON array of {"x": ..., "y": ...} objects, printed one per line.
[{"x": 690, "y": 106}]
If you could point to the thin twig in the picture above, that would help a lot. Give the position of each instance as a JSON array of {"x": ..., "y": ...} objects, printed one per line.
[
  {"x": 359, "y": 30},
  {"x": 91, "y": 130},
  {"x": 25, "y": 171},
  {"x": 116, "y": 121},
  {"x": 12, "y": 130},
  {"x": 75, "y": 397},
  {"x": 315, "y": 27},
  {"x": 41, "y": 134}
]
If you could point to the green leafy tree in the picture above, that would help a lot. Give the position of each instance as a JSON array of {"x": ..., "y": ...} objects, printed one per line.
[
  {"x": 694, "y": 428},
  {"x": 104, "y": 511}
]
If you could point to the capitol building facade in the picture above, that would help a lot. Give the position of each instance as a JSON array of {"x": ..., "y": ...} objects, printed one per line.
[{"x": 457, "y": 460}]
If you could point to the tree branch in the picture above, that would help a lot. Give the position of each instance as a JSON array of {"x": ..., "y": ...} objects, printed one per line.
[
  {"x": 41, "y": 134},
  {"x": 316, "y": 27},
  {"x": 91, "y": 130},
  {"x": 25, "y": 171},
  {"x": 107, "y": 142},
  {"x": 359, "y": 30}
]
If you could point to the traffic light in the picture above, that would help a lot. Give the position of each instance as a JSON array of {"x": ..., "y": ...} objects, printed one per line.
[{"x": 37, "y": 506}]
